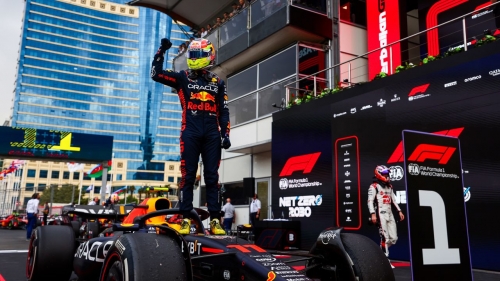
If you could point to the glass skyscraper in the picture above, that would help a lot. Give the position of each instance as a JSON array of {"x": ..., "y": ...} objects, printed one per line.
[{"x": 84, "y": 66}]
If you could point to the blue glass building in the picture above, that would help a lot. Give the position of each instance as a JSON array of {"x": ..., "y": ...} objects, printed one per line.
[{"x": 84, "y": 67}]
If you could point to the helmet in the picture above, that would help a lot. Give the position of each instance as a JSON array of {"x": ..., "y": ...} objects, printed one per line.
[
  {"x": 200, "y": 54},
  {"x": 114, "y": 197},
  {"x": 382, "y": 173}
]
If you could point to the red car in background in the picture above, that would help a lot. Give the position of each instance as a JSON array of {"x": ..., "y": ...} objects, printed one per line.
[{"x": 13, "y": 221}]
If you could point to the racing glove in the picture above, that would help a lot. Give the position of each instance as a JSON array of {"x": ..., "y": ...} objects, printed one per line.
[
  {"x": 226, "y": 143},
  {"x": 165, "y": 45}
]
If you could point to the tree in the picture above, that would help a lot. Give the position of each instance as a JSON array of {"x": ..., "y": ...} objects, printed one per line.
[
  {"x": 131, "y": 189},
  {"x": 130, "y": 199},
  {"x": 141, "y": 191},
  {"x": 61, "y": 194}
]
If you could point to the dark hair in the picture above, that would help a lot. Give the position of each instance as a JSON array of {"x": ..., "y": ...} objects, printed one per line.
[{"x": 35, "y": 195}]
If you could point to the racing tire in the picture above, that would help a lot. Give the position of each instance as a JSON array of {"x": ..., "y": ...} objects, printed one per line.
[
  {"x": 50, "y": 254},
  {"x": 144, "y": 256},
  {"x": 75, "y": 225},
  {"x": 10, "y": 226},
  {"x": 369, "y": 262}
]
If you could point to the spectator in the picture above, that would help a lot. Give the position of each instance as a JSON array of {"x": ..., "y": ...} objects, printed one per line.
[
  {"x": 112, "y": 200},
  {"x": 235, "y": 9},
  {"x": 94, "y": 201},
  {"x": 243, "y": 4},
  {"x": 203, "y": 32},
  {"x": 45, "y": 213},
  {"x": 182, "y": 48},
  {"x": 218, "y": 22},
  {"x": 255, "y": 209},
  {"x": 229, "y": 215},
  {"x": 191, "y": 39},
  {"x": 209, "y": 28},
  {"x": 32, "y": 211}
]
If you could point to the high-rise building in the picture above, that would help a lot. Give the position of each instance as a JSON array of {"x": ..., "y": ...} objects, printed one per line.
[{"x": 84, "y": 66}]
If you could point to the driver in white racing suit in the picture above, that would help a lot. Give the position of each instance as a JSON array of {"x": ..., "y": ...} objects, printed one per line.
[{"x": 380, "y": 198}]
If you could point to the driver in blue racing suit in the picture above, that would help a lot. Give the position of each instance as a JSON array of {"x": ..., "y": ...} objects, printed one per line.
[{"x": 205, "y": 123}]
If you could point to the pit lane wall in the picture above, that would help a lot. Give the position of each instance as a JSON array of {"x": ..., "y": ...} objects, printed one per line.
[{"x": 324, "y": 152}]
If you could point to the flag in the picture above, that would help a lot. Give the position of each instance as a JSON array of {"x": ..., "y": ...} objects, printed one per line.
[
  {"x": 73, "y": 167},
  {"x": 90, "y": 188},
  {"x": 17, "y": 163},
  {"x": 96, "y": 171},
  {"x": 123, "y": 189}
]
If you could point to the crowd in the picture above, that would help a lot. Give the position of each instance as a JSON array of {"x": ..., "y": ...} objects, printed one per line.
[{"x": 266, "y": 8}]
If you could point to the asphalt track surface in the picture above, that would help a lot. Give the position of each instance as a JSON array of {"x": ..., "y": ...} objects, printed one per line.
[{"x": 14, "y": 249}]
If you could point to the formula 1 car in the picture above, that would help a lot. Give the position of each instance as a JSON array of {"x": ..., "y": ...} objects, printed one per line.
[
  {"x": 146, "y": 246},
  {"x": 13, "y": 222}
]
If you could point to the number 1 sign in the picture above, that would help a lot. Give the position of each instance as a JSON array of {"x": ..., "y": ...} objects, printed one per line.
[{"x": 437, "y": 219}]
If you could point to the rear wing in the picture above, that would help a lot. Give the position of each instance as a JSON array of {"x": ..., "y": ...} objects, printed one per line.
[{"x": 97, "y": 212}]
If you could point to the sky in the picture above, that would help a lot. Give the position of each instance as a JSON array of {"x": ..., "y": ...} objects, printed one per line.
[{"x": 11, "y": 15}]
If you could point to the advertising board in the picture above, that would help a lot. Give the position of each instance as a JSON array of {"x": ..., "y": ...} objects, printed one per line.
[{"x": 460, "y": 101}]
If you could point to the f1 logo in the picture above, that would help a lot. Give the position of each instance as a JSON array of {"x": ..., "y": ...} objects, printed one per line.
[
  {"x": 432, "y": 152},
  {"x": 397, "y": 155},
  {"x": 419, "y": 90},
  {"x": 304, "y": 163}
]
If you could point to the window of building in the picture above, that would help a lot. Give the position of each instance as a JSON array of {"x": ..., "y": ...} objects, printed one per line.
[
  {"x": 30, "y": 186},
  {"x": 41, "y": 186},
  {"x": 170, "y": 179},
  {"x": 31, "y": 173},
  {"x": 242, "y": 83},
  {"x": 86, "y": 177},
  {"x": 66, "y": 175},
  {"x": 353, "y": 11},
  {"x": 26, "y": 199},
  {"x": 44, "y": 174},
  {"x": 244, "y": 109},
  {"x": 119, "y": 177},
  {"x": 179, "y": 179},
  {"x": 278, "y": 67},
  {"x": 55, "y": 174}
]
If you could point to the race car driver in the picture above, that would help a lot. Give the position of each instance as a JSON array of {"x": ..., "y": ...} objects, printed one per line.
[
  {"x": 380, "y": 198},
  {"x": 205, "y": 123}
]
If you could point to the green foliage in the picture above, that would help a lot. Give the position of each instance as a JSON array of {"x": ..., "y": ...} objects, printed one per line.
[
  {"x": 61, "y": 194},
  {"x": 485, "y": 40},
  {"x": 130, "y": 199},
  {"x": 380, "y": 75},
  {"x": 453, "y": 51},
  {"x": 428, "y": 59}
]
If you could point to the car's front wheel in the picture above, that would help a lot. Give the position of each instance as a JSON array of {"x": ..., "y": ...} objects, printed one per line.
[
  {"x": 50, "y": 253},
  {"x": 144, "y": 256},
  {"x": 368, "y": 261}
]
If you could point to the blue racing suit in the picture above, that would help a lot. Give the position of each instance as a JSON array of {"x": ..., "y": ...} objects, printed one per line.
[{"x": 205, "y": 120}]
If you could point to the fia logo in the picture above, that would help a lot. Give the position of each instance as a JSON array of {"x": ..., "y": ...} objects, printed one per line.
[{"x": 413, "y": 169}]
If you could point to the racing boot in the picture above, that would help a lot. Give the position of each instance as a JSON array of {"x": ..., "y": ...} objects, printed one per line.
[
  {"x": 185, "y": 226},
  {"x": 215, "y": 228}
]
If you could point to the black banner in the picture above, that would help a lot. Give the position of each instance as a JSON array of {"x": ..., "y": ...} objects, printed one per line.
[
  {"x": 436, "y": 209},
  {"x": 460, "y": 100},
  {"x": 30, "y": 143}
]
